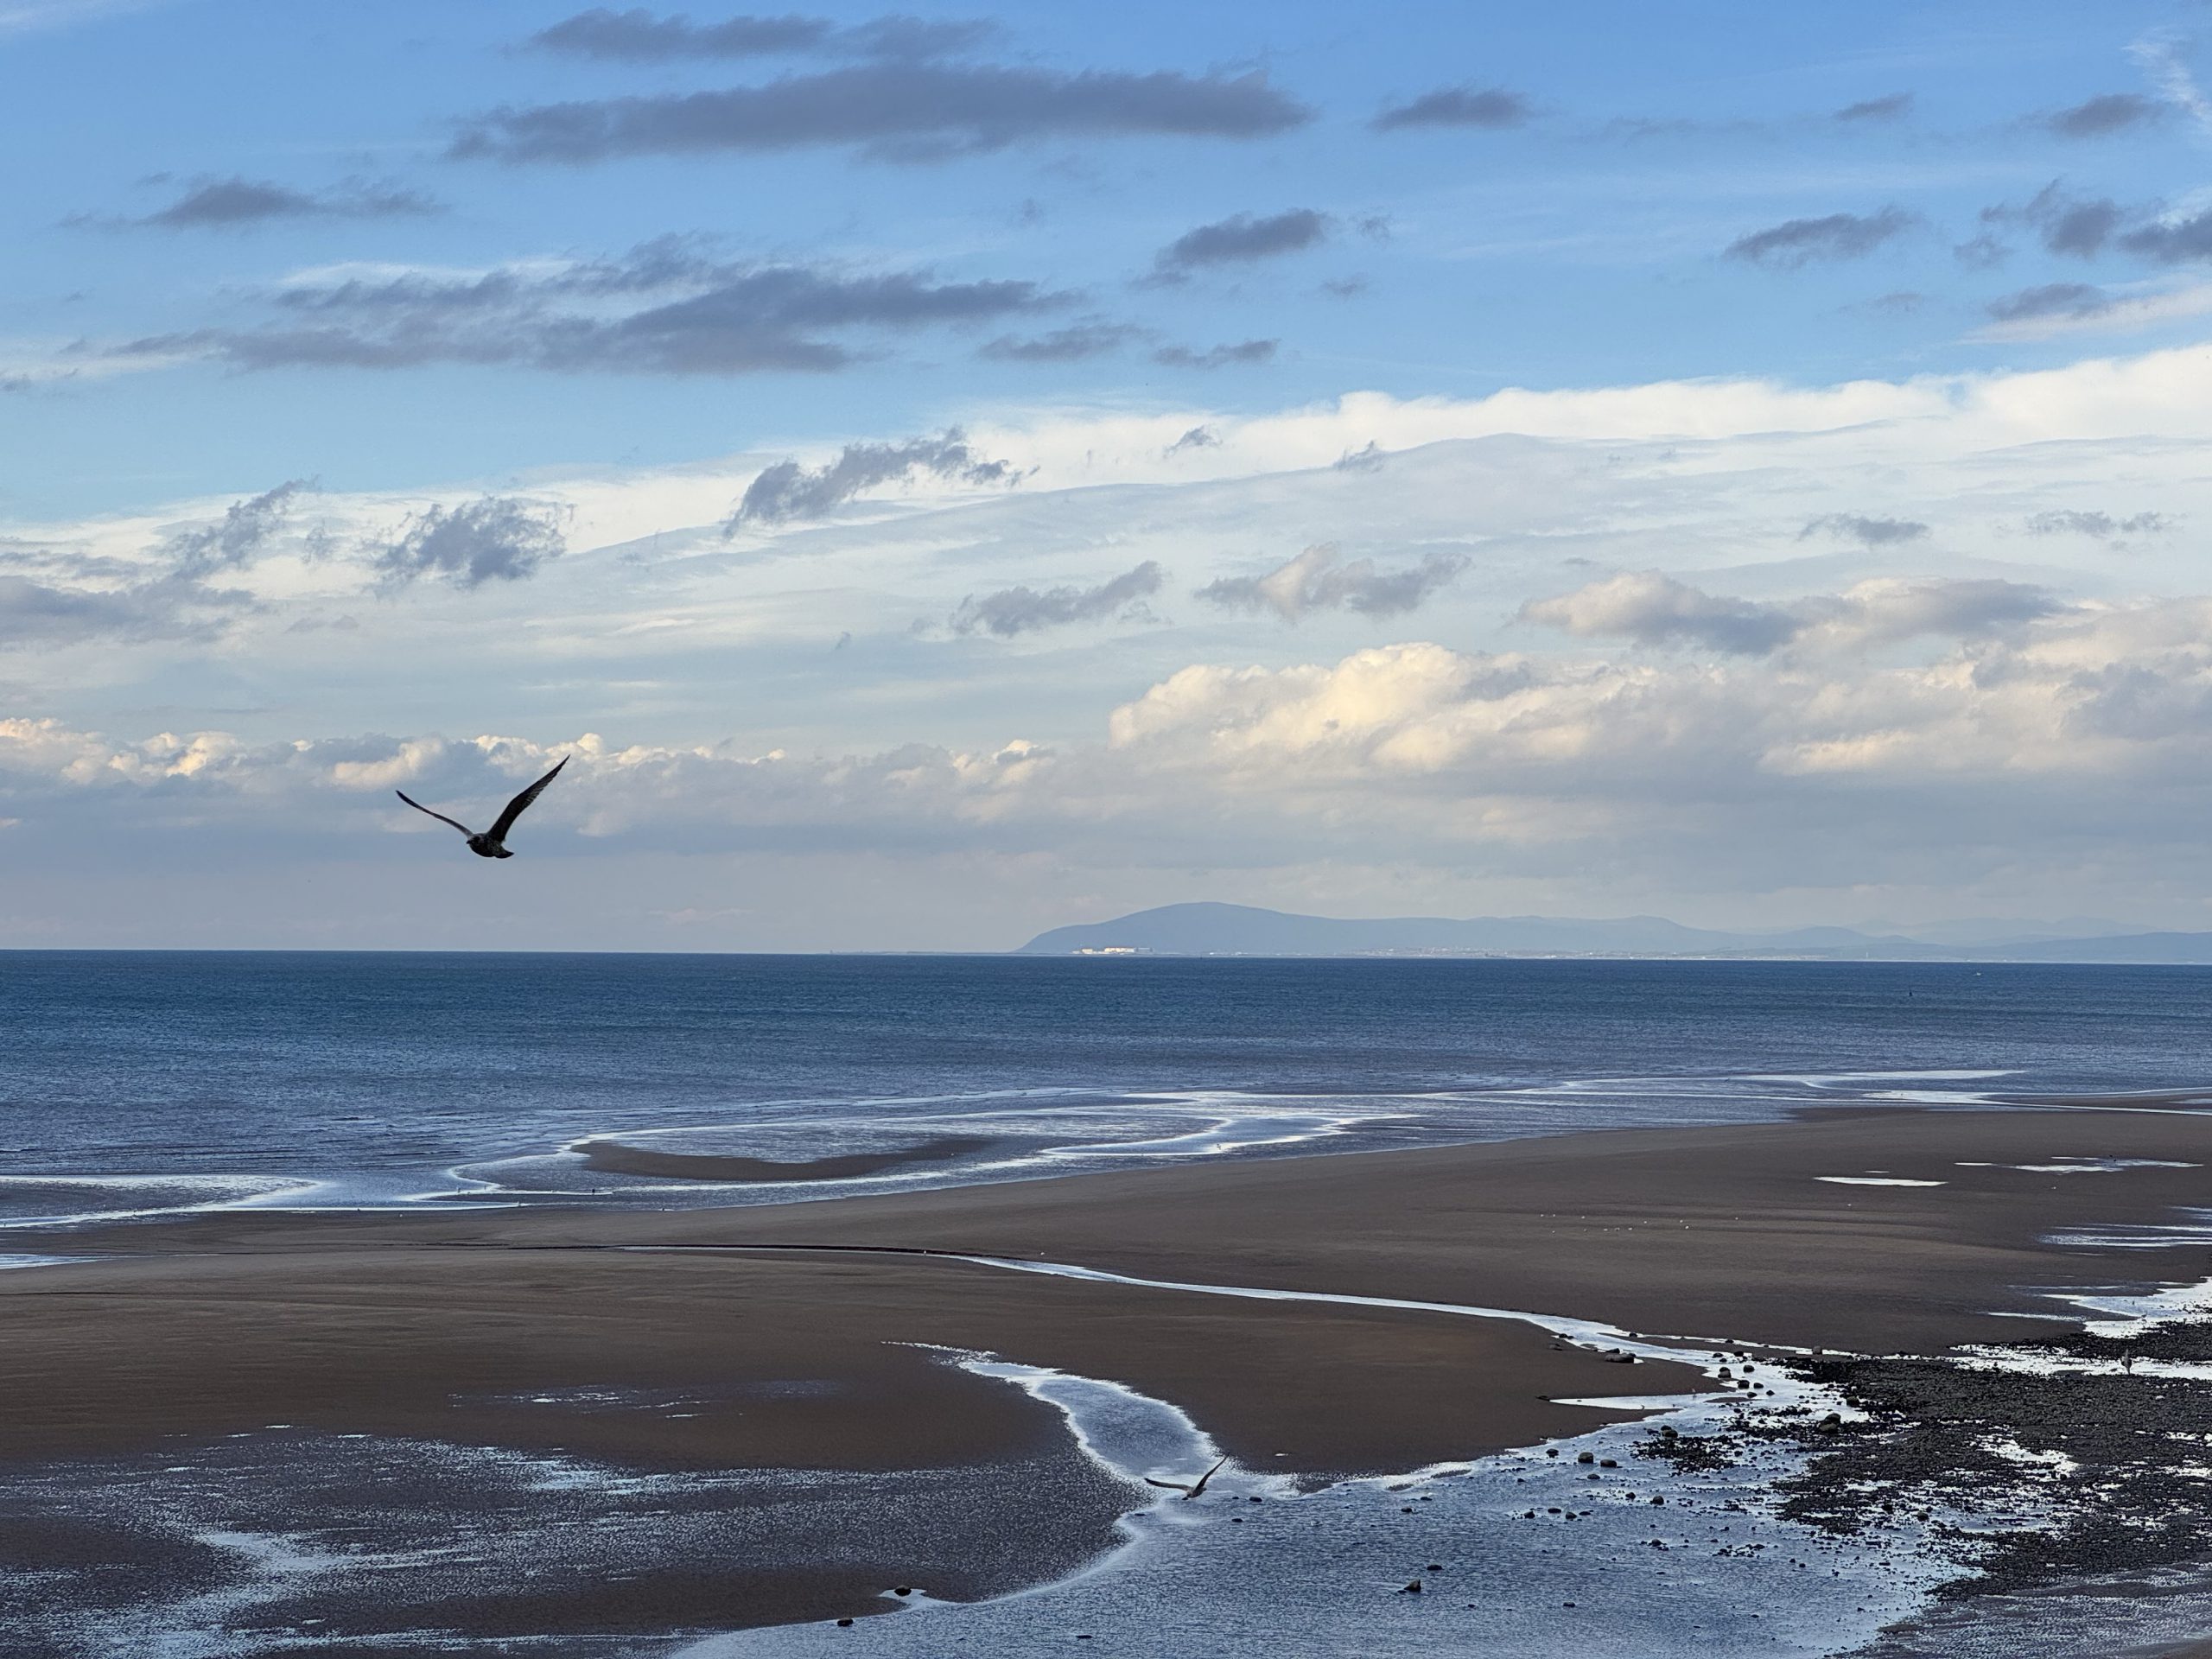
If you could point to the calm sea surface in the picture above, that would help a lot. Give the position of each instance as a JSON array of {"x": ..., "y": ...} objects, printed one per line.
[{"x": 150, "y": 1083}]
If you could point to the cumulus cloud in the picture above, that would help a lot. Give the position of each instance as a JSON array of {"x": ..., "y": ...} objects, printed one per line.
[
  {"x": 1891, "y": 107},
  {"x": 1024, "y": 610},
  {"x": 1070, "y": 345},
  {"x": 2078, "y": 299},
  {"x": 669, "y": 307},
  {"x": 2005, "y": 753},
  {"x": 2105, "y": 114},
  {"x": 1244, "y": 239},
  {"x": 1244, "y": 353},
  {"x": 787, "y": 491},
  {"x": 233, "y": 203},
  {"x": 894, "y": 111},
  {"x": 1648, "y": 607},
  {"x": 1864, "y": 529},
  {"x": 1320, "y": 579},
  {"x": 1489, "y": 107},
  {"x": 2103, "y": 525},
  {"x": 496, "y": 538},
  {"x": 2073, "y": 695},
  {"x": 1800, "y": 242},
  {"x": 639, "y": 36}
]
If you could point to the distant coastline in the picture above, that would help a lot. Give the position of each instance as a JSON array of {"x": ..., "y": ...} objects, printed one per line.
[{"x": 1219, "y": 930}]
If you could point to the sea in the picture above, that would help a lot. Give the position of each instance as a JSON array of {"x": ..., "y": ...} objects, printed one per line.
[
  {"x": 160, "y": 1083},
  {"x": 157, "y": 1083}
]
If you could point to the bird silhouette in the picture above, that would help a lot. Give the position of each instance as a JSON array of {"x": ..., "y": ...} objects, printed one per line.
[
  {"x": 493, "y": 843},
  {"x": 1189, "y": 1490}
]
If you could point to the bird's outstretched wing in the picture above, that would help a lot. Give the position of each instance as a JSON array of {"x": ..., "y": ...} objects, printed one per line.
[
  {"x": 440, "y": 817},
  {"x": 1188, "y": 1490},
  {"x": 499, "y": 831}
]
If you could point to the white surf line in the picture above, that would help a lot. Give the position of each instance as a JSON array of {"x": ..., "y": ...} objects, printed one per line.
[{"x": 1584, "y": 1332}]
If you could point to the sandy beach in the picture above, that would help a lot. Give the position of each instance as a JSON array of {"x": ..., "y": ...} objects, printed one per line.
[{"x": 435, "y": 1326}]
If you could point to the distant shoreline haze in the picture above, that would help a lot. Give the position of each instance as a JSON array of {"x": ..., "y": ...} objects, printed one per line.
[{"x": 1218, "y": 930}]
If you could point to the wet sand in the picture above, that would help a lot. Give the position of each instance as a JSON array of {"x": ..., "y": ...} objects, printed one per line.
[
  {"x": 621, "y": 1158},
  {"x": 419, "y": 1324}
]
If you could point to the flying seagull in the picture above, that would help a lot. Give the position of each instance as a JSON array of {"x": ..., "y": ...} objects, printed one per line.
[
  {"x": 493, "y": 843},
  {"x": 1190, "y": 1491}
]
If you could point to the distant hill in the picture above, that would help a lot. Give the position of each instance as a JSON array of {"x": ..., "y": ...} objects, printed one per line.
[{"x": 1211, "y": 930}]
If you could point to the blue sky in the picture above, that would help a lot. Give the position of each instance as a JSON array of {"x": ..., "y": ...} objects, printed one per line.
[
  {"x": 1584, "y": 245},
  {"x": 1628, "y": 350}
]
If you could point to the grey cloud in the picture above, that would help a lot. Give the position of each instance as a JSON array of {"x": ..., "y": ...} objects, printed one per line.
[
  {"x": 1652, "y": 608},
  {"x": 2101, "y": 524},
  {"x": 243, "y": 532},
  {"x": 37, "y": 615},
  {"x": 667, "y": 307},
  {"x": 787, "y": 491},
  {"x": 2105, "y": 114},
  {"x": 2050, "y": 299},
  {"x": 1198, "y": 437},
  {"x": 1070, "y": 345},
  {"x": 1368, "y": 458},
  {"x": 1241, "y": 239},
  {"x": 502, "y": 538},
  {"x": 2172, "y": 241},
  {"x": 2066, "y": 224},
  {"x": 2080, "y": 227},
  {"x": 1867, "y": 532},
  {"x": 229, "y": 204},
  {"x": 1023, "y": 610},
  {"x": 639, "y": 36},
  {"x": 1889, "y": 108},
  {"x": 1838, "y": 235},
  {"x": 1491, "y": 107},
  {"x": 1982, "y": 252},
  {"x": 907, "y": 111},
  {"x": 1218, "y": 356},
  {"x": 1319, "y": 580}
]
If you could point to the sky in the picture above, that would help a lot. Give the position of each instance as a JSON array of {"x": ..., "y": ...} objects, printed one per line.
[{"x": 952, "y": 472}]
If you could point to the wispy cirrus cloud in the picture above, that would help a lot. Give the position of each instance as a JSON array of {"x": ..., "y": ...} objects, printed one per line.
[
  {"x": 1799, "y": 242},
  {"x": 1892, "y": 106},
  {"x": 1073, "y": 344},
  {"x": 1649, "y": 607},
  {"x": 236, "y": 202},
  {"x": 907, "y": 111},
  {"x": 245, "y": 531},
  {"x": 636, "y": 35},
  {"x": 1321, "y": 578},
  {"x": 788, "y": 491},
  {"x": 2104, "y": 115},
  {"x": 1489, "y": 108},
  {"x": 670, "y": 306},
  {"x": 1023, "y": 609},
  {"x": 496, "y": 538},
  {"x": 1242, "y": 239},
  {"x": 1244, "y": 353},
  {"x": 2104, "y": 526}
]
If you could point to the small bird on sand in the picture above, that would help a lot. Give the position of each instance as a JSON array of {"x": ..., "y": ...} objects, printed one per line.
[
  {"x": 1188, "y": 1492},
  {"x": 493, "y": 843}
]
